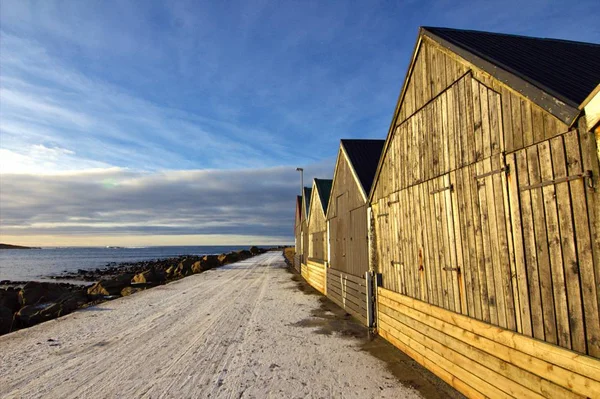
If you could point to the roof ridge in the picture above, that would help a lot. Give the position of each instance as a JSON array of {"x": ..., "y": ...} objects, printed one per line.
[{"x": 431, "y": 28}]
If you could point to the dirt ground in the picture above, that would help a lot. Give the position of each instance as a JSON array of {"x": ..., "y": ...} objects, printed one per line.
[{"x": 246, "y": 330}]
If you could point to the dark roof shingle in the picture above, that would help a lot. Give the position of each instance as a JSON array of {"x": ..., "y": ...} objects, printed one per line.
[
  {"x": 307, "y": 193},
  {"x": 364, "y": 156},
  {"x": 324, "y": 189},
  {"x": 565, "y": 69}
]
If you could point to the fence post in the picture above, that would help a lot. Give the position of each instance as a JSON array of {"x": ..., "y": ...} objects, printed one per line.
[{"x": 370, "y": 298}]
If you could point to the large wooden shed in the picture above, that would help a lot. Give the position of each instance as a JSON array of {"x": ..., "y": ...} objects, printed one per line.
[
  {"x": 314, "y": 270},
  {"x": 298, "y": 233},
  {"x": 485, "y": 215},
  {"x": 317, "y": 225},
  {"x": 347, "y": 224},
  {"x": 306, "y": 196}
]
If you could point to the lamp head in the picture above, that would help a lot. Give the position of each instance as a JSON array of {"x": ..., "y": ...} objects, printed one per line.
[{"x": 299, "y": 169}]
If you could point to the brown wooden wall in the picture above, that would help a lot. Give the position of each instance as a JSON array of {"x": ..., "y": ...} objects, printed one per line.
[
  {"x": 480, "y": 207},
  {"x": 298, "y": 233},
  {"x": 317, "y": 229},
  {"x": 480, "y": 360},
  {"x": 315, "y": 274},
  {"x": 305, "y": 236},
  {"x": 348, "y": 292},
  {"x": 347, "y": 216}
]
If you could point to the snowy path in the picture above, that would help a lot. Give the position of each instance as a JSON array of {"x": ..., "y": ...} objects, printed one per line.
[{"x": 242, "y": 330}]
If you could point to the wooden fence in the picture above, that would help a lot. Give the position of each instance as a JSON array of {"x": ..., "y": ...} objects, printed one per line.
[
  {"x": 349, "y": 292},
  {"x": 315, "y": 274}
]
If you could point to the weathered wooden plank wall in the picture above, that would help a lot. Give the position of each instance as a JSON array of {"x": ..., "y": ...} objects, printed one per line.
[
  {"x": 305, "y": 236},
  {"x": 298, "y": 234},
  {"x": 317, "y": 229},
  {"x": 315, "y": 274},
  {"x": 347, "y": 217},
  {"x": 482, "y": 206},
  {"x": 481, "y": 360}
]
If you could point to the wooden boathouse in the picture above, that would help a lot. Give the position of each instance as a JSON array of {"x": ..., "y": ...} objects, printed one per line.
[
  {"x": 314, "y": 270},
  {"x": 347, "y": 224},
  {"x": 298, "y": 233},
  {"x": 485, "y": 215},
  {"x": 306, "y": 196}
]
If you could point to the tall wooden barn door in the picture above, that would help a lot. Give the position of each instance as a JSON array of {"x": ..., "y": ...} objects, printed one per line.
[
  {"x": 417, "y": 232},
  {"x": 482, "y": 199},
  {"x": 554, "y": 263},
  {"x": 340, "y": 227}
]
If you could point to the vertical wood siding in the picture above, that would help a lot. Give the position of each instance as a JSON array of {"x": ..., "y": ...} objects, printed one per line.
[
  {"x": 347, "y": 216},
  {"x": 482, "y": 207},
  {"x": 317, "y": 229}
]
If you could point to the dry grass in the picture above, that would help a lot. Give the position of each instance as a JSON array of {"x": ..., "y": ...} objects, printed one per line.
[{"x": 289, "y": 253}]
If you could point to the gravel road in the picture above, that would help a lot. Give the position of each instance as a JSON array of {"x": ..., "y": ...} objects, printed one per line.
[{"x": 244, "y": 330}]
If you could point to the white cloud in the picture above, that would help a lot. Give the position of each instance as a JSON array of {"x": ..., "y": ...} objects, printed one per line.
[{"x": 122, "y": 202}]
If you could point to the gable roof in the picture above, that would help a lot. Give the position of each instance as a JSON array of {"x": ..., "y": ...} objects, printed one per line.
[
  {"x": 566, "y": 70},
  {"x": 298, "y": 208},
  {"x": 324, "y": 190},
  {"x": 306, "y": 193},
  {"x": 363, "y": 156}
]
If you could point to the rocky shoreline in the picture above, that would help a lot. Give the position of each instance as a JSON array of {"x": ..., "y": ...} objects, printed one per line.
[{"x": 24, "y": 304}]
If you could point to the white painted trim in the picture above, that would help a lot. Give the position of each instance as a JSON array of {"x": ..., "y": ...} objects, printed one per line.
[{"x": 358, "y": 183}]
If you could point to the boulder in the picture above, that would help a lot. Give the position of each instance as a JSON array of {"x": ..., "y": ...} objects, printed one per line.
[
  {"x": 6, "y": 320},
  {"x": 9, "y": 298},
  {"x": 255, "y": 250},
  {"x": 110, "y": 287},
  {"x": 210, "y": 261},
  {"x": 198, "y": 267},
  {"x": 30, "y": 315},
  {"x": 244, "y": 254},
  {"x": 34, "y": 292},
  {"x": 170, "y": 271},
  {"x": 184, "y": 268},
  {"x": 130, "y": 291},
  {"x": 148, "y": 277},
  {"x": 228, "y": 258},
  {"x": 72, "y": 301}
]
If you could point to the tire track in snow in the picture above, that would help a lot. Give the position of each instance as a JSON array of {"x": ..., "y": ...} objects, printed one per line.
[{"x": 229, "y": 332}]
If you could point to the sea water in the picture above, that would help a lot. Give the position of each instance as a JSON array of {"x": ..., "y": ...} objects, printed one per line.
[{"x": 39, "y": 264}]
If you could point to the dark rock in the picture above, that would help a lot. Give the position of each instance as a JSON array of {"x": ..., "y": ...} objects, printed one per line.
[
  {"x": 9, "y": 298},
  {"x": 255, "y": 250},
  {"x": 184, "y": 268},
  {"x": 34, "y": 292},
  {"x": 149, "y": 277},
  {"x": 244, "y": 254},
  {"x": 210, "y": 262},
  {"x": 6, "y": 320},
  {"x": 170, "y": 271},
  {"x": 33, "y": 314},
  {"x": 111, "y": 286},
  {"x": 72, "y": 301},
  {"x": 198, "y": 267},
  {"x": 130, "y": 291},
  {"x": 228, "y": 258}
]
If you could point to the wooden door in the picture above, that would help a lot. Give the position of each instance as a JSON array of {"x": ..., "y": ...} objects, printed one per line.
[{"x": 549, "y": 195}]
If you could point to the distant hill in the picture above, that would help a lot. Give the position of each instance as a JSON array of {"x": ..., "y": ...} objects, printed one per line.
[{"x": 9, "y": 246}]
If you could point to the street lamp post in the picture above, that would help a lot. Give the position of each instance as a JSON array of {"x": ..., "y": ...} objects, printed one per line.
[{"x": 301, "y": 180}]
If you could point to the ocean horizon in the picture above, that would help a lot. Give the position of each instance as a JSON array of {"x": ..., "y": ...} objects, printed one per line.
[{"x": 41, "y": 264}]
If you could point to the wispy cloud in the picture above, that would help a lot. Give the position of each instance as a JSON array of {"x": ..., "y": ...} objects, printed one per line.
[{"x": 252, "y": 202}]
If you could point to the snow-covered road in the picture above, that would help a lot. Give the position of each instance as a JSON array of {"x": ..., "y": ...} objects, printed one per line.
[{"x": 242, "y": 330}]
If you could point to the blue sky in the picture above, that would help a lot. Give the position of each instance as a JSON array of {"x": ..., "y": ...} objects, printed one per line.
[{"x": 104, "y": 105}]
